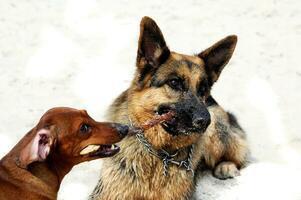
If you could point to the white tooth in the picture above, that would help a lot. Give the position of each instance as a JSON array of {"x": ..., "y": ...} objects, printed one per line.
[
  {"x": 89, "y": 149},
  {"x": 112, "y": 147}
]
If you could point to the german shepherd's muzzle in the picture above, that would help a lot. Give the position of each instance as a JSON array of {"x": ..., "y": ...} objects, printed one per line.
[{"x": 191, "y": 115}]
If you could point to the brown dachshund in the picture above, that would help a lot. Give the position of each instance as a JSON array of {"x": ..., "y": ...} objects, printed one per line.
[{"x": 64, "y": 137}]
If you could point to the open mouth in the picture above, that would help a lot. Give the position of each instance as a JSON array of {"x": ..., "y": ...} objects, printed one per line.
[
  {"x": 181, "y": 125},
  {"x": 170, "y": 127},
  {"x": 175, "y": 125},
  {"x": 104, "y": 150},
  {"x": 175, "y": 128}
]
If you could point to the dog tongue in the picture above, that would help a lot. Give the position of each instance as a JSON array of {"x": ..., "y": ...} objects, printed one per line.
[{"x": 157, "y": 119}]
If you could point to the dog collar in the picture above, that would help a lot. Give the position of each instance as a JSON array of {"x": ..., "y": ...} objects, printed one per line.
[{"x": 166, "y": 157}]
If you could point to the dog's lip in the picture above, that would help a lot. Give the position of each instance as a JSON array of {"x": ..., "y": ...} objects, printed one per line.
[
  {"x": 175, "y": 131},
  {"x": 100, "y": 150},
  {"x": 169, "y": 128}
]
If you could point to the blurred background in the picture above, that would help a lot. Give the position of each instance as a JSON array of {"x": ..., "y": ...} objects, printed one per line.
[{"x": 82, "y": 54}]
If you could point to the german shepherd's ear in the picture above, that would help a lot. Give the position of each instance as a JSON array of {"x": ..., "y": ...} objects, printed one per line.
[
  {"x": 152, "y": 49},
  {"x": 217, "y": 56}
]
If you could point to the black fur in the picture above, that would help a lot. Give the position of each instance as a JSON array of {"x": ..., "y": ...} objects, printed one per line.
[
  {"x": 233, "y": 121},
  {"x": 210, "y": 101},
  {"x": 223, "y": 132},
  {"x": 147, "y": 69}
]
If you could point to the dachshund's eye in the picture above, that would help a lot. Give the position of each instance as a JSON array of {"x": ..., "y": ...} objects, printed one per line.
[
  {"x": 176, "y": 84},
  {"x": 85, "y": 128}
]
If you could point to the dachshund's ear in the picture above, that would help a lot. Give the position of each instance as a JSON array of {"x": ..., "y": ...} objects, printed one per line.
[{"x": 38, "y": 147}]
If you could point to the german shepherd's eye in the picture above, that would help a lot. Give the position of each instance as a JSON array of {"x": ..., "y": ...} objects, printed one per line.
[
  {"x": 85, "y": 128},
  {"x": 176, "y": 84}
]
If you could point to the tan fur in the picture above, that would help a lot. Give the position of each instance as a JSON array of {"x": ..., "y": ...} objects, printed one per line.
[
  {"x": 139, "y": 175},
  {"x": 134, "y": 173},
  {"x": 145, "y": 180},
  {"x": 214, "y": 149}
]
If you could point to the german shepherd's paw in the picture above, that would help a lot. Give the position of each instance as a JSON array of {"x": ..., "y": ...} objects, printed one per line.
[{"x": 226, "y": 170}]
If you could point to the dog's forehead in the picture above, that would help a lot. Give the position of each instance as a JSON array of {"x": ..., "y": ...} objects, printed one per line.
[
  {"x": 63, "y": 115},
  {"x": 84, "y": 112},
  {"x": 189, "y": 67},
  {"x": 193, "y": 59}
]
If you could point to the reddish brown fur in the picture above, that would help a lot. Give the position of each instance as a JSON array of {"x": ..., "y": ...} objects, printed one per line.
[{"x": 21, "y": 179}]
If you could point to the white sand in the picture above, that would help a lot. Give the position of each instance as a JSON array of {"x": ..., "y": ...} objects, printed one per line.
[{"x": 82, "y": 54}]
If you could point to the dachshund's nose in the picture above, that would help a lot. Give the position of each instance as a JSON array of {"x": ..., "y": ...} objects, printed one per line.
[{"x": 122, "y": 129}]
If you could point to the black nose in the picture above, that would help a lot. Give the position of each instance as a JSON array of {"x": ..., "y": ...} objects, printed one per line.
[
  {"x": 201, "y": 122},
  {"x": 122, "y": 129}
]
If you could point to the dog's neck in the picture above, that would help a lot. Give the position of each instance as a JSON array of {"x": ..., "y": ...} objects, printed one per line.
[
  {"x": 51, "y": 172},
  {"x": 46, "y": 176},
  {"x": 167, "y": 157}
]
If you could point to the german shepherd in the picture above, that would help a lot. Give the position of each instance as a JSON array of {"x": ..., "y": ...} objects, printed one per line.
[{"x": 165, "y": 161}]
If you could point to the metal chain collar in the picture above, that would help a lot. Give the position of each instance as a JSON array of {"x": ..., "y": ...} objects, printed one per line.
[{"x": 166, "y": 157}]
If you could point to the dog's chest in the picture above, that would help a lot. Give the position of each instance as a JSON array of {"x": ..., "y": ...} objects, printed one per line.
[{"x": 139, "y": 175}]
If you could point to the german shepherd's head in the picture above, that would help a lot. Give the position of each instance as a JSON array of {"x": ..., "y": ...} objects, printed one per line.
[{"x": 166, "y": 80}]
